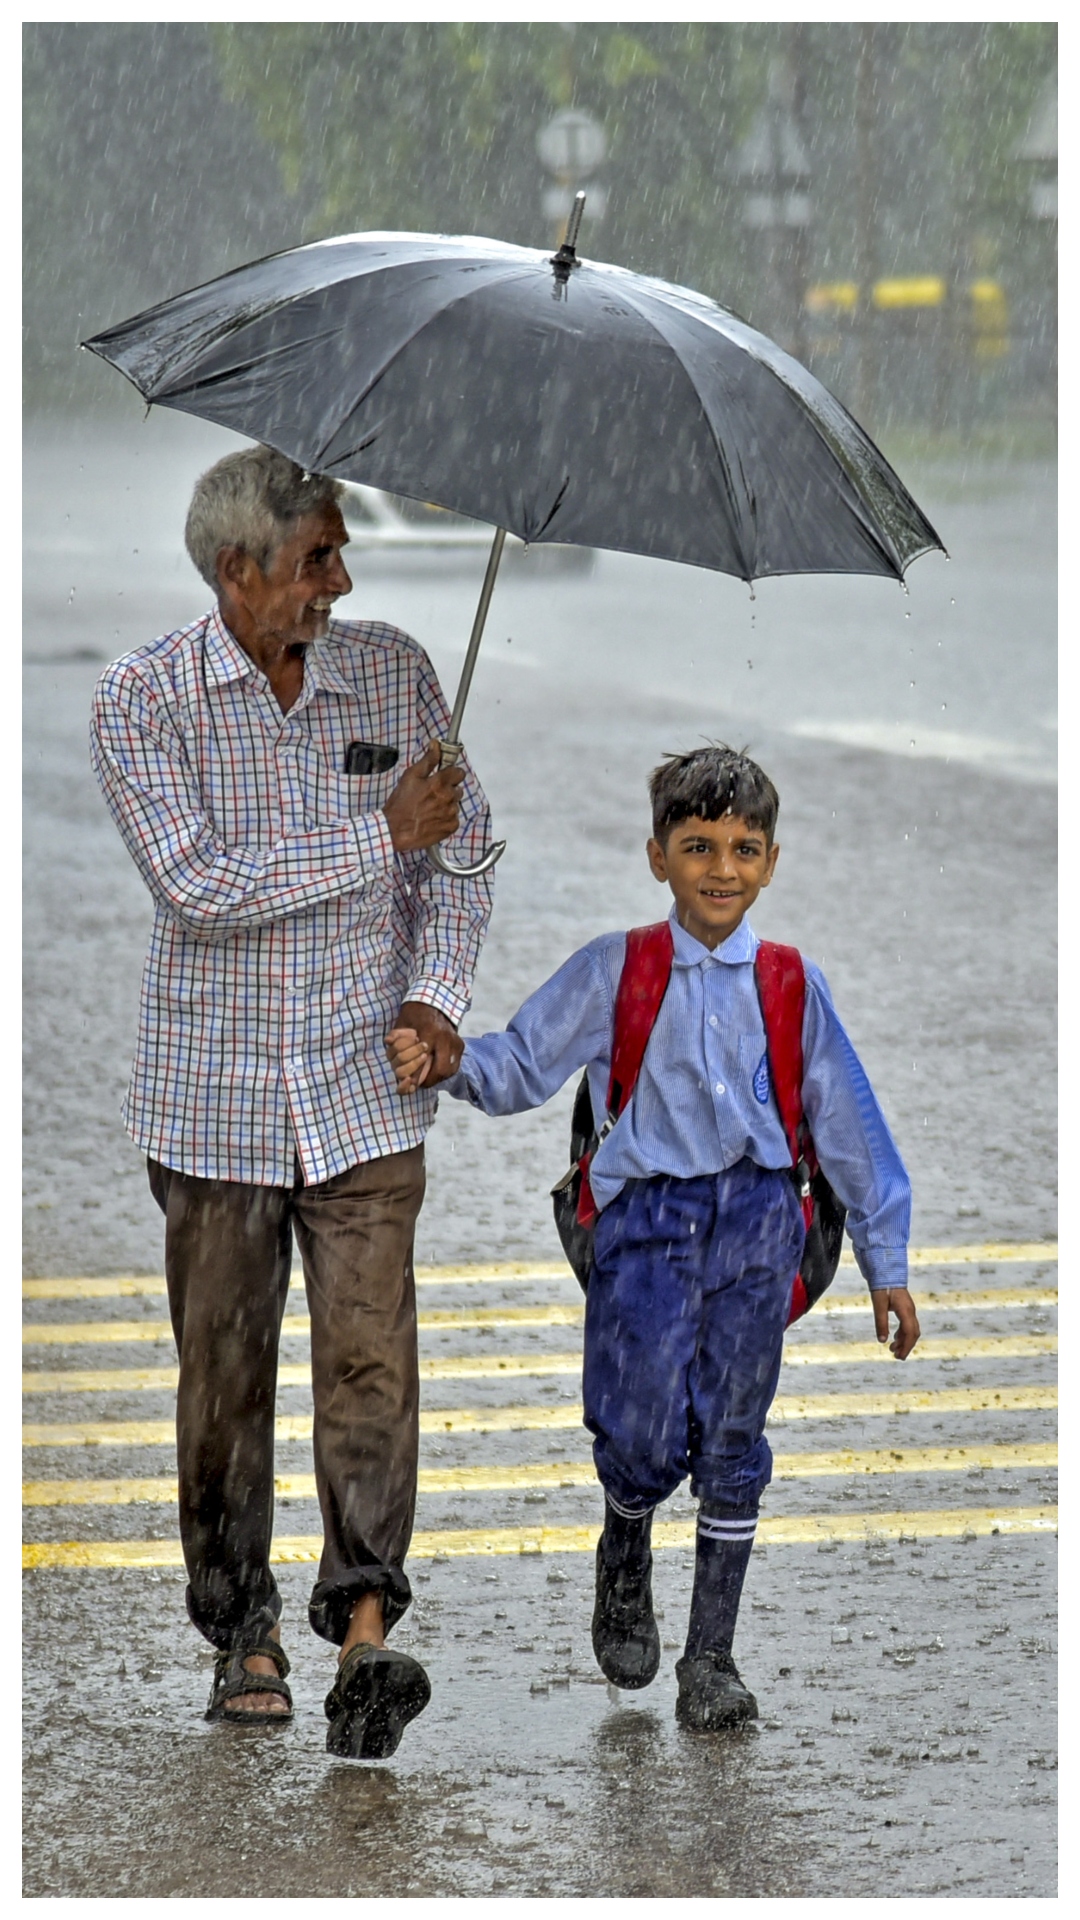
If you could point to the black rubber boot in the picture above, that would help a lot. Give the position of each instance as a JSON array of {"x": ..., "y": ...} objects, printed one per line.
[
  {"x": 725, "y": 1539},
  {"x": 376, "y": 1693},
  {"x": 711, "y": 1694},
  {"x": 625, "y": 1637}
]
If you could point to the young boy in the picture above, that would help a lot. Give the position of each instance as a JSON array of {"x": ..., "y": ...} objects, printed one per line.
[{"x": 700, "y": 1228}]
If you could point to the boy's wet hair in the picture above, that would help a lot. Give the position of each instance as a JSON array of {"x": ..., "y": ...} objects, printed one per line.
[{"x": 706, "y": 784}]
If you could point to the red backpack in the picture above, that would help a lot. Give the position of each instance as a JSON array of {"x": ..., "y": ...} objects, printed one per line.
[{"x": 781, "y": 987}]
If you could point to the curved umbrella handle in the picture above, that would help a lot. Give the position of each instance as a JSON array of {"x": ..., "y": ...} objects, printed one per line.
[
  {"x": 494, "y": 852},
  {"x": 451, "y": 751}
]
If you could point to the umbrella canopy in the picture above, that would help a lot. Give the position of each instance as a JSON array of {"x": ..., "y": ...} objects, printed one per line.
[{"x": 562, "y": 400}]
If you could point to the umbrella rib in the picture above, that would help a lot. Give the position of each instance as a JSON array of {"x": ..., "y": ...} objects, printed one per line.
[
  {"x": 505, "y": 273},
  {"x": 725, "y": 467},
  {"x": 833, "y": 440},
  {"x": 889, "y": 553},
  {"x": 240, "y": 367}
]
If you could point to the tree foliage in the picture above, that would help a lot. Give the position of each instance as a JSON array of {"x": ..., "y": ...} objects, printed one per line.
[{"x": 157, "y": 155}]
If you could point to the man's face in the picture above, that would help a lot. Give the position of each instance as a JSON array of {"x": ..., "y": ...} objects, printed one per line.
[
  {"x": 290, "y": 603},
  {"x": 715, "y": 869}
]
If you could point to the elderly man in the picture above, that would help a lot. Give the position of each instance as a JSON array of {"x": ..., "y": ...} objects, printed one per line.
[{"x": 275, "y": 777}]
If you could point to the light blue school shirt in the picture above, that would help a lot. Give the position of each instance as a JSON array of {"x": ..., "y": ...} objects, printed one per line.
[{"x": 703, "y": 1099}]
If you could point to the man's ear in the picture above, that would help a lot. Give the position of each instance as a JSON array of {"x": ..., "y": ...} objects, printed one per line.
[
  {"x": 657, "y": 859},
  {"x": 770, "y": 862},
  {"x": 234, "y": 566}
]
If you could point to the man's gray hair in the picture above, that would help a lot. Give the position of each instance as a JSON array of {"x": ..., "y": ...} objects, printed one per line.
[{"x": 251, "y": 499}]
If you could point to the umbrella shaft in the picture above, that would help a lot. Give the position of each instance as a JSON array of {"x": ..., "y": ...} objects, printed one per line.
[{"x": 477, "y": 634}]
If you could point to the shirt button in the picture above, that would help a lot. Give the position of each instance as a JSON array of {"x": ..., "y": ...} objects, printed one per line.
[
  {"x": 713, "y": 1021},
  {"x": 719, "y": 1087}
]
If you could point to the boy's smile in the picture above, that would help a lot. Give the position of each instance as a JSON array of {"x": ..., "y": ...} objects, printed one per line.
[{"x": 715, "y": 869}]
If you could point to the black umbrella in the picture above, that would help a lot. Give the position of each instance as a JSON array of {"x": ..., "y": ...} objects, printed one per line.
[{"x": 559, "y": 399}]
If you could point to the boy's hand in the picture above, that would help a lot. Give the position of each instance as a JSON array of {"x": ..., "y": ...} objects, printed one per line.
[
  {"x": 423, "y": 1046},
  {"x": 899, "y": 1301},
  {"x": 409, "y": 1057}
]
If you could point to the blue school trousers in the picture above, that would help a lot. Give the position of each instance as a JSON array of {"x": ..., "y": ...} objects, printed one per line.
[{"x": 684, "y": 1331}]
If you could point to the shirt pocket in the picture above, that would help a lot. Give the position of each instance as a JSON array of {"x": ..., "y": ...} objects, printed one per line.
[
  {"x": 754, "y": 1067},
  {"x": 330, "y": 795}
]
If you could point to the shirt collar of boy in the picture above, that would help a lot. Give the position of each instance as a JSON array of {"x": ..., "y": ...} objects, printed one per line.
[{"x": 738, "y": 948}]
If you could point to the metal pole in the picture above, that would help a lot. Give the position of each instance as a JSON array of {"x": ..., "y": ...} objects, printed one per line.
[
  {"x": 865, "y": 395},
  {"x": 798, "y": 232},
  {"x": 473, "y": 648},
  {"x": 451, "y": 748}
]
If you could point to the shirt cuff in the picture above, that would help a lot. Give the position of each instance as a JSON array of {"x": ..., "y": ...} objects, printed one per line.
[
  {"x": 432, "y": 992},
  {"x": 374, "y": 843},
  {"x": 460, "y": 1087},
  {"x": 882, "y": 1267}
]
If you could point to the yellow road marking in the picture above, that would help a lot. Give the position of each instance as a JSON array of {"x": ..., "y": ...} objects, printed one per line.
[
  {"x": 968, "y": 1302},
  {"x": 127, "y": 1285},
  {"x": 992, "y": 1252},
  {"x": 932, "y": 1524},
  {"x": 82, "y": 1333},
  {"x": 812, "y": 1353},
  {"x": 496, "y": 1272},
  {"x": 491, "y": 1366},
  {"x": 109, "y": 1333},
  {"x": 787, "y": 1407},
  {"x": 861, "y": 1406},
  {"x": 562, "y": 1473},
  {"x": 87, "y": 1333},
  {"x": 122, "y": 1288}
]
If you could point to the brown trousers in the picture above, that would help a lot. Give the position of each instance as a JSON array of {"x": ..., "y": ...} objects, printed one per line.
[{"x": 228, "y": 1250}]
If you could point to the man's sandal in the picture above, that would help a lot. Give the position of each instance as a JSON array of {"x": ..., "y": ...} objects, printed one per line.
[
  {"x": 232, "y": 1680},
  {"x": 376, "y": 1693}
]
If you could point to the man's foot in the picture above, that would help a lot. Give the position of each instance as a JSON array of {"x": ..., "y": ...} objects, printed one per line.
[
  {"x": 625, "y": 1637},
  {"x": 711, "y": 1694},
  {"x": 233, "y": 1696},
  {"x": 376, "y": 1693}
]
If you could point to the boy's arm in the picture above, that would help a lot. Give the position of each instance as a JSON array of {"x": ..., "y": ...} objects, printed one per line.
[
  {"x": 561, "y": 1027},
  {"x": 859, "y": 1157}
]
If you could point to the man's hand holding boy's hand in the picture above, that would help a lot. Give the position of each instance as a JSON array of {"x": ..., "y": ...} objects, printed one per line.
[
  {"x": 899, "y": 1301},
  {"x": 424, "y": 1047}
]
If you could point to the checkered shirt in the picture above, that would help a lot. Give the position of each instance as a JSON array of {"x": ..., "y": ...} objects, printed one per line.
[{"x": 287, "y": 931}]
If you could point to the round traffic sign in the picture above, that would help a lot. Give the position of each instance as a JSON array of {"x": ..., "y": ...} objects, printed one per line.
[{"x": 572, "y": 143}]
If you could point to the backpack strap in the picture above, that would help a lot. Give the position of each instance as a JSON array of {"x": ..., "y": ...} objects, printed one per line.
[
  {"x": 642, "y": 986},
  {"x": 781, "y": 986}
]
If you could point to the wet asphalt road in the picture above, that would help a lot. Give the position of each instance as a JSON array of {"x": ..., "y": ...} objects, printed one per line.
[
  {"x": 864, "y": 1776},
  {"x": 906, "y": 1744}
]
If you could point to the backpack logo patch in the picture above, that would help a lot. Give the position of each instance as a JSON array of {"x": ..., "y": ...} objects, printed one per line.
[{"x": 761, "y": 1081}]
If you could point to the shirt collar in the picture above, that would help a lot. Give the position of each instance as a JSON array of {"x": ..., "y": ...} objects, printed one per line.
[
  {"x": 226, "y": 660},
  {"x": 324, "y": 673},
  {"x": 739, "y": 946},
  {"x": 225, "y": 657}
]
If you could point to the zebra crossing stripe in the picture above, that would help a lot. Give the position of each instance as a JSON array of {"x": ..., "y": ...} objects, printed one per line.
[
  {"x": 798, "y": 1530},
  {"x": 492, "y": 1273},
  {"x": 568, "y": 1473},
  {"x": 75, "y": 1333},
  {"x": 450, "y": 1420},
  {"x": 797, "y": 1353}
]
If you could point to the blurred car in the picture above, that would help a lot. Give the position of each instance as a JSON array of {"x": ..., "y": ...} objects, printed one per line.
[{"x": 385, "y": 523}]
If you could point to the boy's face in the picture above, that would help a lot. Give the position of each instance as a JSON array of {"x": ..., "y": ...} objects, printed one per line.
[{"x": 715, "y": 869}]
